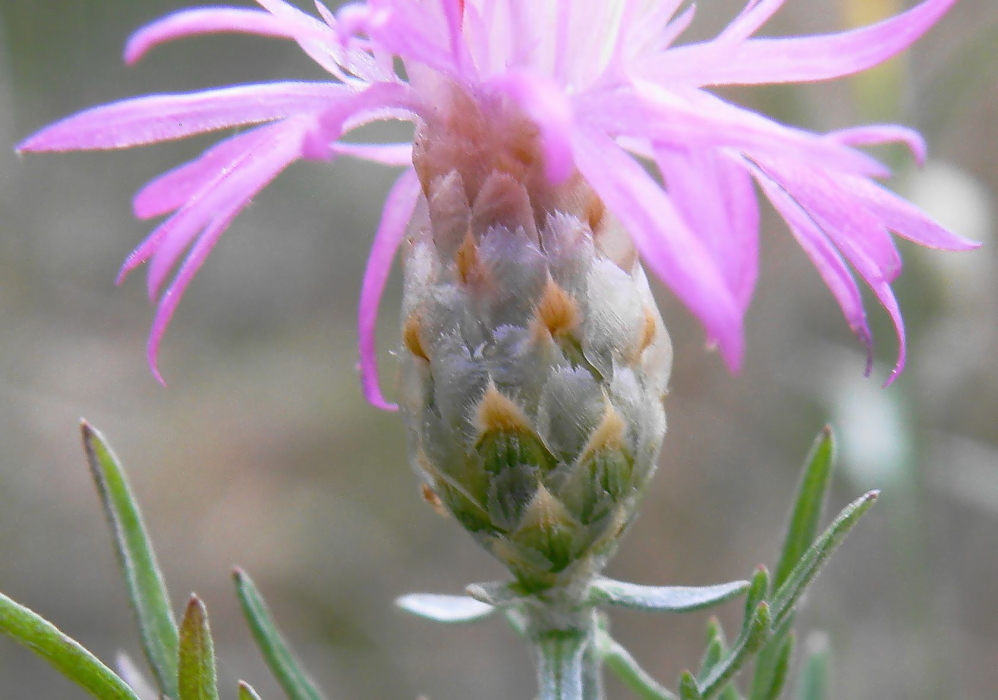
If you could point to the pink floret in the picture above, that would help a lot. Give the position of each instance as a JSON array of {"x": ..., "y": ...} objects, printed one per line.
[{"x": 609, "y": 96}]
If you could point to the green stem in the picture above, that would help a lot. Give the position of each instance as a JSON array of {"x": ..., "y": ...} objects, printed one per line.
[
  {"x": 560, "y": 656},
  {"x": 592, "y": 671},
  {"x": 569, "y": 666}
]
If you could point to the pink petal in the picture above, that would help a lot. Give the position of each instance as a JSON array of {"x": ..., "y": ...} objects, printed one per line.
[
  {"x": 349, "y": 52},
  {"x": 287, "y": 11},
  {"x": 743, "y": 224},
  {"x": 655, "y": 32},
  {"x": 211, "y": 20},
  {"x": 754, "y": 15},
  {"x": 668, "y": 246},
  {"x": 545, "y": 103},
  {"x": 478, "y": 32},
  {"x": 805, "y": 143},
  {"x": 322, "y": 43},
  {"x": 716, "y": 198},
  {"x": 877, "y": 134},
  {"x": 229, "y": 185},
  {"x": 145, "y": 120},
  {"x": 383, "y": 153},
  {"x": 826, "y": 259},
  {"x": 676, "y": 28},
  {"x": 372, "y": 103},
  {"x": 904, "y": 218},
  {"x": 454, "y": 13},
  {"x": 395, "y": 216},
  {"x": 562, "y": 55},
  {"x": 860, "y": 237},
  {"x": 283, "y": 150},
  {"x": 170, "y": 190},
  {"x": 327, "y": 15},
  {"x": 859, "y": 234},
  {"x": 698, "y": 120},
  {"x": 796, "y": 59},
  {"x": 171, "y": 298},
  {"x": 422, "y": 32},
  {"x": 885, "y": 295}
]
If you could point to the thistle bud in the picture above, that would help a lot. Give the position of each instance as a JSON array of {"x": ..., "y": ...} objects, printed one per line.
[{"x": 534, "y": 361}]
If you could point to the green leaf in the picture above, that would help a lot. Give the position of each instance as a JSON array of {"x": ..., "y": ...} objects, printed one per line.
[
  {"x": 663, "y": 598},
  {"x": 688, "y": 688},
  {"x": 246, "y": 692},
  {"x": 782, "y": 669},
  {"x": 814, "y": 677},
  {"x": 768, "y": 686},
  {"x": 629, "y": 671},
  {"x": 518, "y": 621},
  {"x": 444, "y": 608},
  {"x": 196, "y": 678},
  {"x": 500, "y": 594},
  {"x": 789, "y": 593},
  {"x": 711, "y": 657},
  {"x": 757, "y": 592},
  {"x": 716, "y": 648},
  {"x": 767, "y": 664},
  {"x": 276, "y": 652},
  {"x": 146, "y": 590},
  {"x": 806, "y": 515},
  {"x": 715, "y": 632},
  {"x": 729, "y": 693},
  {"x": 63, "y": 653},
  {"x": 748, "y": 643}
]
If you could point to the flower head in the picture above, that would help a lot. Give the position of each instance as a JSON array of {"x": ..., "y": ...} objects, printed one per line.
[
  {"x": 601, "y": 85},
  {"x": 534, "y": 362}
]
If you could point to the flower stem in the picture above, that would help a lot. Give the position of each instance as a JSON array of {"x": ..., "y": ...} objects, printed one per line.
[
  {"x": 559, "y": 665},
  {"x": 569, "y": 666}
]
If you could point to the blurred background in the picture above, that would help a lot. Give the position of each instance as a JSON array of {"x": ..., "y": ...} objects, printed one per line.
[{"x": 262, "y": 452}]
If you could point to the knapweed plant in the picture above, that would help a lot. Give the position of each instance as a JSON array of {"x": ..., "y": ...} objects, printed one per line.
[{"x": 559, "y": 148}]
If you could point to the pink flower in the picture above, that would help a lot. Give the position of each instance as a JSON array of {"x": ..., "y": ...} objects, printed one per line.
[{"x": 606, "y": 87}]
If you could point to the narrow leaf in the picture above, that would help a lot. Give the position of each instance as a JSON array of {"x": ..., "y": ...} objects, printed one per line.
[
  {"x": 769, "y": 659},
  {"x": 497, "y": 593},
  {"x": 757, "y": 592},
  {"x": 518, "y": 621},
  {"x": 275, "y": 650},
  {"x": 748, "y": 643},
  {"x": 717, "y": 647},
  {"x": 63, "y": 653},
  {"x": 630, "y": 673},
  {"x": 711, "y": 657},
  {"x": 770, "y": 685},
  {"x": 444, "y": 608},
  {"x": 729, "y": 693},
  {"x": 196, "y": 678},
  {"x": 809, "y": 504},
  {"x": 814, "y": 677},
  {"x": 146, "y": 589},
  {"x": 789, "y": 593},
  {"x": 688, "y": 688},
  {"x": 246, "y": 692},
  {"x": 782, "y": 669},
  {"x": 663, "y": 598},
  {"x": 715, "y": 632}
]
